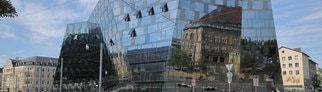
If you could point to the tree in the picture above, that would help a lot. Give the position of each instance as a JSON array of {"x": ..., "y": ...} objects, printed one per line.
[
  {"x": 6, "y": 9},
  {"x": 180, "y": 59},
  {"x": 316, "y": 82}
]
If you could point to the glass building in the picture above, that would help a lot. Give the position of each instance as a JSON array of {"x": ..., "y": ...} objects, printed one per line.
[
  {"x": 80, "y": 56},
  {"x": 184, "y": 45}
]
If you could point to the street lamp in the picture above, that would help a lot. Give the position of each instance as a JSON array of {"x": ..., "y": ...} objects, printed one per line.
[
  {"x": 100, "y": 71},
  {"x": 87, "y": 47},
  {"x": 61, "y": 75},
  {"x": 100, "y": 66}
]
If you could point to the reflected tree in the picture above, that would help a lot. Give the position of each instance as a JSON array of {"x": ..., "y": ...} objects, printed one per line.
[{"x": 180, "y": 59}]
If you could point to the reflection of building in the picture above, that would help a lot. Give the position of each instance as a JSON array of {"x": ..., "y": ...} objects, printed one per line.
[
  {"x": 211, "y": 39},
  {"x": 139, "y": 28},
  {"x": 297, "y": 69},
  {"x": 33, "y": 74},
  {"x": 80, "y": 54},
  {"x": 121, "y": 67}
]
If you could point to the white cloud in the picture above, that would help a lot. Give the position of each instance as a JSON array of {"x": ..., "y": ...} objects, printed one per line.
[
  {"x": 7, "y": 33},
  {"x": 47, "y": 22},
  {"x": 315, "y": 16},
  {"x": 297, "y": 22}
]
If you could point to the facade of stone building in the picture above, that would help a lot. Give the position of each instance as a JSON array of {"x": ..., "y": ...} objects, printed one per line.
[{"x": 32, "y": 74}]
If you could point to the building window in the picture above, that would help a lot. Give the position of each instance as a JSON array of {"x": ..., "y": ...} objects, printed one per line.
[
  {"x": 283, "y": 51},
  {"x": 290, "y": 72},
  {"x": 112, "y": 42},
  {"x": 151, "y": 11},
  {"x": 138, "y": 14},
  {"x": 284, "y": 65},
  {"x": 290, "y": 65},
  {"x": 297, "y": 72},
  {"x": 284, "y": 72},
  {"x": 289, "y": 57},
  {"x": 133, "y": 33},
  {"x": 164, "y": 7},
  {"x": 127, "y": 18},
  {"x": 297, "y": 64},
  {"x": 191, "y": 36},
  {"x": 75, "y": 37},
  {"x": 296, "y": 57},
  {"x": 283, "y": 58}
]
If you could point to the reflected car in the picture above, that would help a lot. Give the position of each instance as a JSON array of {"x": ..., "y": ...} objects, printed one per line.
[
  {"x": 209, "y": 88},
  {"x": 183, "y": 85}
]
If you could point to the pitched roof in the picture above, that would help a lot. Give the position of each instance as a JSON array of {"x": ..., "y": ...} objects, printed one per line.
[
  {"x": 36, "y": 60},
  {"x": 294, "y": 50}
]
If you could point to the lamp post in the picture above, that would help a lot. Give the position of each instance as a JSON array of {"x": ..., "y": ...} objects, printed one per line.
[
  {"x": 100, "y": 66},
  {"x": 100, "y": 70},
  {"x": 61, "y": 75}
]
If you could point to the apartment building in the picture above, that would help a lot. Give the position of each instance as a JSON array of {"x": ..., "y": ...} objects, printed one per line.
[
  {"x": 32, "y": 74},
  {"x": 297, "y": 69}
]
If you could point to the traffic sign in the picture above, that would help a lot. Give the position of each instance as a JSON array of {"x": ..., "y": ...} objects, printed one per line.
[
  {"x": 255, "y": 81},
  {"x": 193, "y": 81},
  {"x": 229, "y": 67},
  {"x": 229, "y": 76}
]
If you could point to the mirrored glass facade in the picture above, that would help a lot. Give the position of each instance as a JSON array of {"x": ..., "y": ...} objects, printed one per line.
[
  {"x": 80, "y": 58},
  {"x": 181, "y": 45}
]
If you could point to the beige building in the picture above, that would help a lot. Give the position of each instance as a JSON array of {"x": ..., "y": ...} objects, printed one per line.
[
  {"x": 33, "y": 74},
  {"x": 297, "y": 69}
]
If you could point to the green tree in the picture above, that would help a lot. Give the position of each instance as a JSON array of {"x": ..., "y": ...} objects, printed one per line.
[
  {"x": 316, "y": 81},
  {"x": 180, "y": 59},
  {"x": 6, "y": 9}
]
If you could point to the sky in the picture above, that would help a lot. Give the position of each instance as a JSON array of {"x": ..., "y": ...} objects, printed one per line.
[{"x": 40, "y": 26}]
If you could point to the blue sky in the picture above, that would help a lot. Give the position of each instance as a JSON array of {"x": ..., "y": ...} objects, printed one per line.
[
  {"x": 40, "y": 26},
  {"x": 298, "y": 24}
]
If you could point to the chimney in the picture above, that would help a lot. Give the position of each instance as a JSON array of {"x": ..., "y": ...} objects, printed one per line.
[{"x": 297, "y": 49}]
